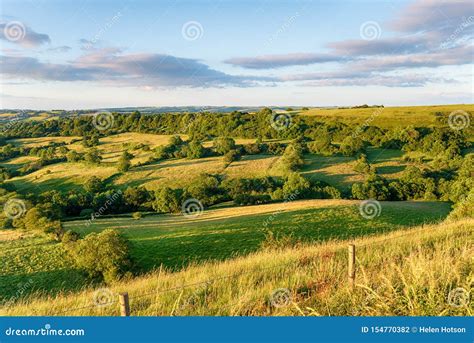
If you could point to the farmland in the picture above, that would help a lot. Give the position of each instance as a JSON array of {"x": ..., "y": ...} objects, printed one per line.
[
  {"x": 390, "y": 282},
  {"x": 175, "y": 241},
  {"x": 317, "y": 184}
]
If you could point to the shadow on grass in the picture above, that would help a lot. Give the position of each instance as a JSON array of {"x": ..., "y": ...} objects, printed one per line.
[
  {"x": 229, "y": 238},
  {"x": 17, "y": 286}
]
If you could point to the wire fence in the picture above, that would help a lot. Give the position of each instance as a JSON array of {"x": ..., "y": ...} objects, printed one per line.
[{"x": 124, "y": 300}]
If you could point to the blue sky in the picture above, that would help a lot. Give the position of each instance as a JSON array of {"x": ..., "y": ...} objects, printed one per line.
[{"x": 89, "y": 54}]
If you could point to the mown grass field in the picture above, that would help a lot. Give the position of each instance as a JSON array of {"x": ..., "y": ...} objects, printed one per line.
[
  {"x": 175, "y": 241},
  {"x": 407, "y": 272}
]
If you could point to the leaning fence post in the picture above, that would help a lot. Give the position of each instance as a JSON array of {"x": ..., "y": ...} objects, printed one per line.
[
  {"x": 124, "y": 304},
  {"x": 352, "y": 272}
]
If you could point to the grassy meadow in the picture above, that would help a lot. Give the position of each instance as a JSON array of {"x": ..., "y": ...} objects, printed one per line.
[
  {"x": 407, "y": 272},
  {"x": 387, "y": 117},
  {"x": 408, "y": 257},
  {"x": 175, "y": 241},
  {"x": 65, "y": 176}
]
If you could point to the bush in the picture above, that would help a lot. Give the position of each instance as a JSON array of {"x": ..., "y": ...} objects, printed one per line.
[
  {"x": 137, "y": 215},
  {"x": 362, "y": 165},
  {"x": 252, "y": 149},
  {"x": 92, "y": 156},
  {"x": 94, "y": 185},
  {"x": 70, "y": 236},
  {"x": 103, "y": 255},
  {"x": 194, "y": 150},
  {"x": 296, "y": 186},
  {"x": 223, "y": 145},
  {"x": 168, "y": 200},
  {"x": 322, "y": 147},
  {"x": 375, "y": 187},
  {"x": 205, "y": 189},
  {"x": 464, "y": 208},
  {"x": 351, "y": 145},
  {"x": 231, "y": 156},
  {"x": 250, "y": 199},
  {"x": 292, "y": 158},
  {"x": 124, "y": 163}
]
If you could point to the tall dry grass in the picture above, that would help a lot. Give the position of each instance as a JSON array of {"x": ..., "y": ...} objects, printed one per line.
[{"x": 409, "y": 272}]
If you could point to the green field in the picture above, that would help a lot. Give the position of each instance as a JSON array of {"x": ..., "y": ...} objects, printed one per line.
[
  {"x": 406, "y": 272},
  {"x": 176, "y": 241},
  {"x": 35, "y": 265},
  {"x": 336, "y": 170},
  {"x": 388, "y": 117}
]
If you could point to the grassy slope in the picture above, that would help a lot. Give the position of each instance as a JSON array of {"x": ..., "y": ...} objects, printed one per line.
[
  {"x": 402, "y": 273},
  {"x": 216, "y": 235},
  {"x": 174, "y": 240},
  {"x": 388, "y": 116},
  {"x": 38, "y": 260},
  {"x": 337, "y": 171}
]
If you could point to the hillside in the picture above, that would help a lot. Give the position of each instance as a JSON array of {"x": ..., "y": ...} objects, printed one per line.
[
  {"x": 413, "y": 275},
  {"x": 175, "y": 241}
]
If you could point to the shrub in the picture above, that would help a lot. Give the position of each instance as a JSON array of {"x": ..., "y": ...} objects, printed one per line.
[
  {"x": 322, "y": 147},
  {"x": 375, "y": 187},
  {"x": 168, "y": 200},
  {"x": 103, "y": 255},
  {"x": 362, "y": 165},
  {"x": 292, "y": 158},
  {"x": 205, "y": 189},
  {"x": 464, "y": 208},
  {"x": 194, "y": 150},
  {"x": 124, "y": 163},
  {"x": 351, "y": 145},
  {"x": 251, "y": 199},
  {"x": 231, "y": 156},
  {"x": 94, "y": 185},
  {"x": 92, "y": 156},
  {"x": 223, "y": 145},
  {"x": 137, "y": 215},
  {"x": 296, "y": 186},
  {"x": 70, "y": 236},
  {"x": 252, "y": 149}
]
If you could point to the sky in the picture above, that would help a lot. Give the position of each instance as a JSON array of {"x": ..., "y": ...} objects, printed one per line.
[{"x": 94, "y": 54}]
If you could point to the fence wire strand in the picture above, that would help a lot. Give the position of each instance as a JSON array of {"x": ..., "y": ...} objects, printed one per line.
[{"x": 232, "y": 276}]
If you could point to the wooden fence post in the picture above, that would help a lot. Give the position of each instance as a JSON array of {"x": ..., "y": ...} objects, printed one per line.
[
  {"x": 124, "y": 304},
  {"x": 352, "y": 271}
]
